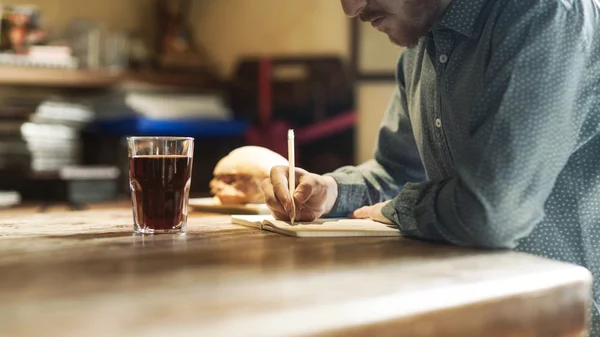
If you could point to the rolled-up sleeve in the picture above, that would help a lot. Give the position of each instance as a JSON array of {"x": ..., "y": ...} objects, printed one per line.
[{"x": 504, "y": 175}]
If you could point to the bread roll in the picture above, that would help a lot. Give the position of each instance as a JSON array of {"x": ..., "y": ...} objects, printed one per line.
[{"x": 238, "y": 176}]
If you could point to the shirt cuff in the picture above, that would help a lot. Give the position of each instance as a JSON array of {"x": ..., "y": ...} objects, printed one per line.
[
  {"x": 413, "y": 211},
  {"x": 400, "y": 210},
  {"x": 352, "y": 192}
]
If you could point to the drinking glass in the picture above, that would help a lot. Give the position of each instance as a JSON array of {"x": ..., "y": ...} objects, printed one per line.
[{"x": 160, "y": 172}]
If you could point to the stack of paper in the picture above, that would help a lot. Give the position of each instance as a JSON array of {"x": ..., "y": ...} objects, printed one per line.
[{"x": 178, "y": 106}]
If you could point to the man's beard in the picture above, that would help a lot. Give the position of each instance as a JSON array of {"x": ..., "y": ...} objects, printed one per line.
[
  {"x": 408, "y": 36},
  {"x": 418, "y": 17}
]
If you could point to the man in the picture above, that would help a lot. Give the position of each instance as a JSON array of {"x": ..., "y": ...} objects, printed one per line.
[{"x": 492, "y": 138}]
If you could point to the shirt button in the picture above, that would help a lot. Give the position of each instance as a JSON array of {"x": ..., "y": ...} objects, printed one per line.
[
  {"x": 438, "y": 123},
  {"x": 443, "y": 58}
]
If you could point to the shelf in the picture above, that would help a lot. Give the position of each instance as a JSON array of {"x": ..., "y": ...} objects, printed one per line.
[
  {"x": 44, "y": 77},
  {"x": 75, "y": 78},
  {"x": 149, "y": 80}
]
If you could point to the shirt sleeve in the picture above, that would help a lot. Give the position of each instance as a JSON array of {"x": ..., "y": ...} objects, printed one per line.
[
  {"x": 396, "y": 161},
  {"x": 504, "y": 175}
]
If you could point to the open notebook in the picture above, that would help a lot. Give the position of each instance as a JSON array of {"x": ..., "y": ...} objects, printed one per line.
[{"x": 337, "y": 227}]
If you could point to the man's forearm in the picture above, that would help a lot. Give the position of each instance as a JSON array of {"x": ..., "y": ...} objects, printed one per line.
[{"x": 357, "y": 186}]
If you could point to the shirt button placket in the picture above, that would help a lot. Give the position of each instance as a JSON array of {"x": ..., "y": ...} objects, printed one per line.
[{"x": 443, "y": 59}]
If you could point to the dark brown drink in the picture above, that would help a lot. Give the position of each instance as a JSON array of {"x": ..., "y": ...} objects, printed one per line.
[{"x": 160, "y": 187}]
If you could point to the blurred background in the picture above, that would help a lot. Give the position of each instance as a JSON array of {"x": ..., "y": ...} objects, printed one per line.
[{"x": 77, "y": 77}]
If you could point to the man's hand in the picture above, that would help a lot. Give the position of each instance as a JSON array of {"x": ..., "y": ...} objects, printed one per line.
[
  {"x": 372, "y": 212},
  {"x": 314, "y": 196}
]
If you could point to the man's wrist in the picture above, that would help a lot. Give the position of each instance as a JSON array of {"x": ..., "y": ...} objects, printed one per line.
[{"x": 332, "y": 193}]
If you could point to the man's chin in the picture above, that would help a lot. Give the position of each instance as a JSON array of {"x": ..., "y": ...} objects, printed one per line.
[{"x": 404, "y": 41}]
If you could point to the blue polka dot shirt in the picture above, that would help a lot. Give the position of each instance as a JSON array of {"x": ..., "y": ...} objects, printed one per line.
[{"x": 493, "y": 136}]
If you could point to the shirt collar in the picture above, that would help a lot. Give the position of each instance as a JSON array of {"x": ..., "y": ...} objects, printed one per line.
[{"x": 464, "y": 16}]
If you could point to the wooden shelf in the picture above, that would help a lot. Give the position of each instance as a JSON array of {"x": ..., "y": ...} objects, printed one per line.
[
  {"x": 149, "y": 80},
  {"x": 75, "y": 78}
]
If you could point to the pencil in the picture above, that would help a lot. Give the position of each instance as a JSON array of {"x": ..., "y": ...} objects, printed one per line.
[{"x": 292, "y": 173}]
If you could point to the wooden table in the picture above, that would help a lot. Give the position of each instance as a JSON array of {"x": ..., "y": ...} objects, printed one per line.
[{"x": 84, "y": 273}]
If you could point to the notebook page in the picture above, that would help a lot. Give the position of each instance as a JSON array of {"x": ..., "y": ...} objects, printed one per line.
[
  {"x": 254, "y": 221},
  {"x": 339, "y": 227}
]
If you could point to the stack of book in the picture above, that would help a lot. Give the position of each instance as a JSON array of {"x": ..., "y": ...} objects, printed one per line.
[
  {"x": 41, "y": 57},
  {"x": 52, "y": 134}
]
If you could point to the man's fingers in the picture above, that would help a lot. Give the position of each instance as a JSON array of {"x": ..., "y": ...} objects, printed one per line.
[
  {"x": 362, "y": 213},
  {"x": 371, "y": 212},
  {"x": 277, "y": 196},
  {"x": 279, "y": 181},
  {"x": 302, "y": 214},
  {"x": 305, "y": 214},
  {"x": 270, "y": 200},
  {"x": 280, "y": 216},
  {"x": 305, "y": 189},
  {"x": 377, "y": 215}
]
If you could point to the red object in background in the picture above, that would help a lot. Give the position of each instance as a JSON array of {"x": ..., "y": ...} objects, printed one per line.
[
  {"x": 323, "y": 129},
  {"x": 268, "y": 133},
  {"x": 272, "y": 134},
  {"x": 265, "y": 109},
  {"x": 21, "y": 28},
  {"x": 18, "y": 32}
]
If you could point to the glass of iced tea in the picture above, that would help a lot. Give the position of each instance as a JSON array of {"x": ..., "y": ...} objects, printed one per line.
[{"x": 160, "y": 172}]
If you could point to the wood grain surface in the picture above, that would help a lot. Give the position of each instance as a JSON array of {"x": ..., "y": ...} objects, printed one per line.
[{"x": 84, "y": 273}]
